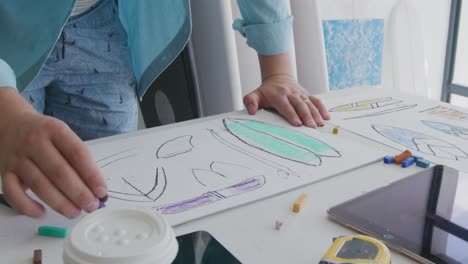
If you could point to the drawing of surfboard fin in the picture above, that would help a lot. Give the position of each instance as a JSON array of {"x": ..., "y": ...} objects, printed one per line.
[
  {"x": 207, "y": 177},
  {"x": 175, "y": 147},
  {"x": 138, "y": 195},
  {"x": 160, "y": 184},
  {"x": 222, "y": 174}
]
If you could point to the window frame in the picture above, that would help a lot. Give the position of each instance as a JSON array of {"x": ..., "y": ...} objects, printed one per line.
[{"x": 449, "y": 87}]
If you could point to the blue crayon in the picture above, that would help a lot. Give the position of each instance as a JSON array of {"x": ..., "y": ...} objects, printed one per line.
[
  {"x": 389, "y": 159},
  {"x": 423, "y": 163},
  {"x": 407, "y": 162}
]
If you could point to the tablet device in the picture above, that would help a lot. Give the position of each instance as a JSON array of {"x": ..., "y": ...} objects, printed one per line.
[
  {"x": 201, "y": 247},
  {"x": 424, "y": 216}
]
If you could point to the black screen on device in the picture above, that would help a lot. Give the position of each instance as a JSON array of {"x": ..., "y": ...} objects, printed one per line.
[
  {"x": 426, "y": 213},
  {"x": 202, "y": 248}
]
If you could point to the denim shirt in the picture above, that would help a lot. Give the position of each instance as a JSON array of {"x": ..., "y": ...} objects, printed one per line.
[{"x": 157, "y": 33}]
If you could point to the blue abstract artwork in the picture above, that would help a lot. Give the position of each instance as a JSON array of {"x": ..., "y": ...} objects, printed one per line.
[{"x": 354, "y": 51}]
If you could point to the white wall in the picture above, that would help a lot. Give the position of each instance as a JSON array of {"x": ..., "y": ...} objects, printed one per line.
[
  {"x": 309, "y": 43},
  {"x": 249, "y": 68},
  {"x": 216, "y": 56},
  {"x": 434, "y": 15},
  {"x": 240, "y": 61}
]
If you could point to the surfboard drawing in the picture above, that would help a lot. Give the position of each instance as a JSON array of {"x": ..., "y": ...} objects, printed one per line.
[
  {"x": 384, "y": 112},
  {"x": 366, "y": 105},
  {"x": 279, "y": 141},
  {"x": 421, "y": 142},
  {"x": 456, "y": 131},
  {"x": 127, "y": 186},
  {"x": 446, "y": 112},
  {"x": 214, "y": 196},
  {"x": 175, "y": 147}
]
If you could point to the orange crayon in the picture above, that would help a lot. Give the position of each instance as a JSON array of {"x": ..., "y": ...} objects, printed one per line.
[{"x": 399, "y": 158}]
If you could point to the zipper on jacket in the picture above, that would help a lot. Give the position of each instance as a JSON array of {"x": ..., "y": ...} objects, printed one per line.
[{"x": 64, "y": 38}]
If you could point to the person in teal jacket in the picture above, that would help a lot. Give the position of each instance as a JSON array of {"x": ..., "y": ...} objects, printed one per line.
[{"x": 73, "y": 70}]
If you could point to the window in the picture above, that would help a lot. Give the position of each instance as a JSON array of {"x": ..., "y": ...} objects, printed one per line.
[{"x": 455, "y": 88}]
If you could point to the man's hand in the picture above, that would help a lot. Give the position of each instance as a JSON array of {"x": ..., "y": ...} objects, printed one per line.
[
  {"x": 43, "y": 154},
  {"x": 281, "y": 91},
  {"x": 290, "y": 99}
]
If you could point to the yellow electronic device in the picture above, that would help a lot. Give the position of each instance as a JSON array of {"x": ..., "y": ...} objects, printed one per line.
[{"x": 356, "y": 249}]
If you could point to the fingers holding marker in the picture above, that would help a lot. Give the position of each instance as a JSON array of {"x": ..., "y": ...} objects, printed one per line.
[
  {"x": 78, "y": 156},
  {"x": 64, "y": 178},
  {"x": 33, "y": 178}
]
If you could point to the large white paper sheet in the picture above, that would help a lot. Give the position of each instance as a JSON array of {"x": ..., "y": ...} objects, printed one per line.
[
  {"x": 435, "y": 130},
  {"x": 193, "y": 171}
]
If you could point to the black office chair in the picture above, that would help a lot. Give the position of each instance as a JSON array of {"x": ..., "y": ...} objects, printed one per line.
[{"x": 173, "y": 96}]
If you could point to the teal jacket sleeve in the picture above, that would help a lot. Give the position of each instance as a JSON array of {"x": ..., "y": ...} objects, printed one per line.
[
  {"x": 266, "y": 24},
  {"x": 7, "y": 76}
]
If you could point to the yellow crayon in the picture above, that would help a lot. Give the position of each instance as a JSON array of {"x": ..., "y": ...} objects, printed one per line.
[{"x": 300, "y": 202}]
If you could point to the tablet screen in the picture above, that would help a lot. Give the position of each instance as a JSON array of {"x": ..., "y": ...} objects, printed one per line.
[
  {"x": 425, "y": 214},
  {"x": 202, "y": 248}
]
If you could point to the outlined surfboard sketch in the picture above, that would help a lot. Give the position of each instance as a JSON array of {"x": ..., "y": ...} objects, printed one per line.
[
  {"x": 453, "y": 130},
  {"x": 175, "y": 147},
  {"x": 152, "y": 194},
  {"x": 248, "y": 185},
  {"x": 279, "y": 141},
  {"x": 386, "y": 111},
  {"x": 222, "y": 173},
  {"x": 390, "y": 105},
  {"x": 283, "y": 171},
  {"x": 446, "y": 112},
  {"x": 366, "y": 105},
  {"x": 421, "y": 142}
]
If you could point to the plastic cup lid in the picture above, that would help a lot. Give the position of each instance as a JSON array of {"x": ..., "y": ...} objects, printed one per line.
[{"x": 121, "y": 236}]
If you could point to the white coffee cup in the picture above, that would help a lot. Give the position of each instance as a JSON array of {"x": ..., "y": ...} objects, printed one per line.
[{"x": 121, "y": 236}]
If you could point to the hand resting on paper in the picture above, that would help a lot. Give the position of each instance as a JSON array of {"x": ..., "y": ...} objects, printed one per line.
[
  {"x": 43, "y": 154},
  {"x": 290, "y": 99},
  {"x": 281, "y": 91}
]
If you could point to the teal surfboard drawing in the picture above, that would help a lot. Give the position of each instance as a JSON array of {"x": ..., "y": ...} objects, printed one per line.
[{"x": 279, "y": 141}]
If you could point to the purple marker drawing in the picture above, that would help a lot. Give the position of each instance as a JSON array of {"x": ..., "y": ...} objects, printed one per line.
[{"x": 211, "y": 197}]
